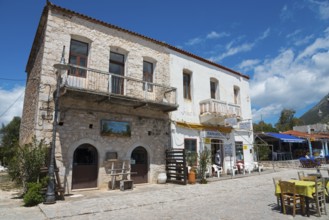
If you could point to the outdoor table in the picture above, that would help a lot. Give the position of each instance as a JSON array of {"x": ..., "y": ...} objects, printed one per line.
[{"x": 303, "y": 188}]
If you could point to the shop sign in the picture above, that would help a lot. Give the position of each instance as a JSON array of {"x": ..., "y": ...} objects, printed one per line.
[
  {"x": 207, "y": 141},
  {"x": 245, "y": 125},
  {"x": 213, "y": 134},
  {"x": 228, "y": 150},
  {"x": 230, "y": 121}
]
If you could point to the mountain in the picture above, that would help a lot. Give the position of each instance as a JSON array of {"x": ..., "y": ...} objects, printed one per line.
[{"x": 312, "y": 116}]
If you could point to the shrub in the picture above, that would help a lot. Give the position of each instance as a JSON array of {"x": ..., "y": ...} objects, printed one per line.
[
  {"x": 33, "y": 195},
  {"x": 25, "y": 166}
]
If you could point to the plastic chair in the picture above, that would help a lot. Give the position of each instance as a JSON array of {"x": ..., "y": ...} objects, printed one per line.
[
  {"x": 248, "y": 167},
  {"x": 234, "y": 169},
  {"x": 217, "y": 169},
  {"x": 290, "y": 198}
]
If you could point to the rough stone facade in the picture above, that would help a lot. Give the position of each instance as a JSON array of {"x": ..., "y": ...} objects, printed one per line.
[{"x": 149, "y": 128}]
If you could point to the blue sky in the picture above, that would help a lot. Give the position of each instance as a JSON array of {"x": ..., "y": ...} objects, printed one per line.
[{"x": 282, "y": 45}]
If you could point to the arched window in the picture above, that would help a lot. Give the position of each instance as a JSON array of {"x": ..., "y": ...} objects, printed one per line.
[{"x": 236, "y": 95}]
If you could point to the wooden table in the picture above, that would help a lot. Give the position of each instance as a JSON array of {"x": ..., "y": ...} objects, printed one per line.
[{"x": 303, "y": 188}]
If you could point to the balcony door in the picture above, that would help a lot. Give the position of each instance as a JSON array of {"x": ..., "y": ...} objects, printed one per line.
[{"x": 117, "y": 69}]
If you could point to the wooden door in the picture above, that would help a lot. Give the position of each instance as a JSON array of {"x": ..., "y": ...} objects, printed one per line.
[
  {"x": 139, "y": 164},
  {"x": 85, "y": 167}
]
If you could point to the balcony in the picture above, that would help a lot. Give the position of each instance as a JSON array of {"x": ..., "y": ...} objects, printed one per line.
[
  {"x": 214, "y": 112},
  {"x": 104, "y": 86}
]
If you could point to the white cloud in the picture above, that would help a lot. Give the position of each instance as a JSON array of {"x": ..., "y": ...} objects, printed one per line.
[
  {"x": 248, "y": 64},
  {"x": 194, "y": 41},
  {"x": 285, "y": 14},
  {"x": 264, "y": 35},
  {"x": 232, "y": 48},
  {"x": 323, "y": 9},
  {"x": 214, "y": 35},
  {"x": 11, "y": 104},
  {"x": 291, "y": 79}
]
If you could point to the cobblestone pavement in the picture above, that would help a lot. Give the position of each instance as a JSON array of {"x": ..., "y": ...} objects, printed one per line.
[{"x": 250, "y": 197}]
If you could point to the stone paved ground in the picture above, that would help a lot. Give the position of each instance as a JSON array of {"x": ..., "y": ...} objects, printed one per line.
[{"x": 251, "y": 198}]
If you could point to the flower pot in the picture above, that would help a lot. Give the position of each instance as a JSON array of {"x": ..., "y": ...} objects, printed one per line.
[
  {"x": 162, "y": 178},
  {"x": 191, "y": 177}
]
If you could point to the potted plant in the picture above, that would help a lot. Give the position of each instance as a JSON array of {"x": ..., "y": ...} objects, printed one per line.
[
  {"x": 204, "y": 161},
  {"x": 191, "y": 158}
]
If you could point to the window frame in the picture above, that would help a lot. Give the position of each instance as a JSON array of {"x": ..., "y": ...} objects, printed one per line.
[
  {"x": 214, "y": 94},
  {"x": 148, "y": 77},
  {"x": 117, "y": 84},
  {"x": 187, "y": 85},
  {"x": 236, "y": 94},
  {"x": 76, "y": 71}
]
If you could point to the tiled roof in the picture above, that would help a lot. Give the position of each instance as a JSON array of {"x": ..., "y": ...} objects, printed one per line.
[{"x": 51, "y": 6}]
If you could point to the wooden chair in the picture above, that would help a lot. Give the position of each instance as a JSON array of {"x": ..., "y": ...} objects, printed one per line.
[
  {"x": 309, "y": 178},
  {"x": 319, "y": 197},
  {"x": 290, "y": 198},
  {"x": 276, "y": 181},
  {"x": 301, "y": 174}
]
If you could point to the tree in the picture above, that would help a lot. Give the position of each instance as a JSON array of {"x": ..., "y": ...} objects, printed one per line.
[
  {"x": 263, "y": 127},
  {"x": 287, "y": 120},
  {"x": 10, "y": 138}
]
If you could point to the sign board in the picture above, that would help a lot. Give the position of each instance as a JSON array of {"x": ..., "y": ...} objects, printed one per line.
[
  {"x": 213, "y": 134},
  {"x": 245, "y": 125},
  {"x": 230, "y": 121},
  {"x": 245, "y": 147},
  {"x": 207, "y": 141},
  {"x": 228, "y": 150}
]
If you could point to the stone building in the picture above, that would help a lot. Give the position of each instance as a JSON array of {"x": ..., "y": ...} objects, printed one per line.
[{"x": 118, "y": 98}]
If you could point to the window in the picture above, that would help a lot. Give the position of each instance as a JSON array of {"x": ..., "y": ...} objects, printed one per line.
[
  {"x": 79, "y": 57},
  {"x": 117, "y": 68},
  {"x": 236, "y": 95},
  {"x": 148, "y": 75},
  {"x": 190, "y": 147},
  {"x": 239, "y": 150},
  {"x": 187, "y": 86},
  {"x": 214, "y": 89}
]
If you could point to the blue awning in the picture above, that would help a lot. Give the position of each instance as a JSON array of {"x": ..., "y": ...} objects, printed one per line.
[{"x": 285, "y": 137}]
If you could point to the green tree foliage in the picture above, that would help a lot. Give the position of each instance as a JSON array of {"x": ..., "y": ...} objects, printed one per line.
[
  {"x": 287, "y": 120},
  {"x": 10, "y": 138},
  {"x": 25, "y": 166},
  {"x": 263, "y": 127},
  {"x": 262, "y": 151}
]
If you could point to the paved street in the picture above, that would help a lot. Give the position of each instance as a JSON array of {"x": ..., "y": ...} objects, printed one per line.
[{"x": 250, "y": 197}]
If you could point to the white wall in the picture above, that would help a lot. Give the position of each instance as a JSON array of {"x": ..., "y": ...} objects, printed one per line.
[{"x": 189, "y": 110}]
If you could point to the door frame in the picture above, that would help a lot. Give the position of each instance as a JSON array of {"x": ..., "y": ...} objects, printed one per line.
[{"x": 96, "y": 169}]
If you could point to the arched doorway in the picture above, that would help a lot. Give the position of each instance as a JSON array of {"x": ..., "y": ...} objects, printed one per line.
[
  {"x": 139, "y": 164},
  {"x": 85, "y": 167}
]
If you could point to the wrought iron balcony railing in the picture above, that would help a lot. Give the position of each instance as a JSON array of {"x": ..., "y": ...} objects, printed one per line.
[{"x": 105, "y": 83}]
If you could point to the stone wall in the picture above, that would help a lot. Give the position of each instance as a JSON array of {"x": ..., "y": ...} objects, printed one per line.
[
  {"x": 79, "y": 114},
  {"x": 32, "y": 90},
  {"x": 82, "y": 125}
]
